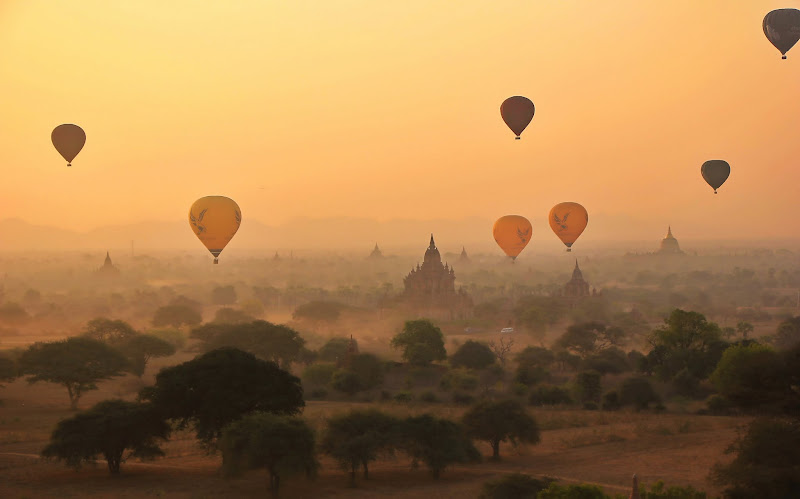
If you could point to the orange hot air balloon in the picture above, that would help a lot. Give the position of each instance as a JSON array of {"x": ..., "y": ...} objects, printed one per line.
[
  {"x": 512, "y": 233},
  {"x": 568, "y": 221},
  {"x": 517, "y": 112},
  {"x": 68, "y": 140},
  {"x": 215, "y": 220}
]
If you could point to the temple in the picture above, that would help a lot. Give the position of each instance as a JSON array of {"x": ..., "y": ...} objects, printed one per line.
[
  {"x": 464, "y": 258},
  {"x": 577, "y": 287},
  {"x": 669, "y": 245},
  {"x": 430, "y": 289},
  {"x": 108, "y": 269},
  {"x": 376, "y": 253}
]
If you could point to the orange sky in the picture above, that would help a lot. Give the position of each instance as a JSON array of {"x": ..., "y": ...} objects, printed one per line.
[{"x": 390, "y": 110}]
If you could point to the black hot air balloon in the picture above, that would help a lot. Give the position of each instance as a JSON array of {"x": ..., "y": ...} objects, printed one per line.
[
  {"x": 782, "y": 28},
  {"x": 68, "y": 140},
  {"x": 517, "y": 112},
  {"x": 715, "y": 172}
]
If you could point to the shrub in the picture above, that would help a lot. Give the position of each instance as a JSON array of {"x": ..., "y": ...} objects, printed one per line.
[
  {"x": 473, "y": 355},
  {"x": 459, "y": 379},
  {"x": 637, "y": 392},
  {"x": 318, "y": 393},
  {"x": 717, "y": 404},
  {"x": 515, "y": 486},
  {"x": 611, "y": 401},
  {"x": 319, "y": 374},
  {"x": 403, "y": 397},
  {"x": 549, "y": 395},
  {"x": 588, "y": 386},
  {"x": 685, "y": 383},
  {"x": 463, "y": 398},
  {"x": 429, "y": 397}
]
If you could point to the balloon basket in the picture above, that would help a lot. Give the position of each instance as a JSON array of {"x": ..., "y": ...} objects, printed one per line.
[
  {"x": 216, "y": 261},
  {"x": 69, "y": 164},
  {"x": 569, "y": 250},
  {"x": 784, "y": 57},
  {"x": 517, "y": 138}
]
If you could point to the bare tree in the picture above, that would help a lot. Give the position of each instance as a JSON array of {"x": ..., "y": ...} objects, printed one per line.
[{"x": 502, "y": 349}]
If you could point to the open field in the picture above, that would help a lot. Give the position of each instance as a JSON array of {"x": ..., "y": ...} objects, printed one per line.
[{"x": 605, "y": 448}]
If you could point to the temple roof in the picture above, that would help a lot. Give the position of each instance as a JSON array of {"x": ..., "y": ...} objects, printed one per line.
[
  {"x": 432, "y": 254},
  {"x": 577, "y": 275}
]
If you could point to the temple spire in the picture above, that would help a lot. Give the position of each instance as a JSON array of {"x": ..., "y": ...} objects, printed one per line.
[
  {"x": 669, "y": 231},
  {"x": 433, "y": 244}
]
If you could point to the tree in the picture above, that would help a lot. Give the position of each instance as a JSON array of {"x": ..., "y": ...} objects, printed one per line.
[
  {"x": 498, "y": 422},
  {"x": 13, "y": 314},
  {"x": 368, "y": 368},
  {"x": 346, "y": 381},
  {"x": 229, "y": 315},
  {"x": 752, "y": 377},
  {"x": 579, "y": 491},
  {"x": 788, "y": 333},
  {"x": 318, "y": 374},
  {"x": 473, "y": 355},
  {"x": 278, "y": 343},
  {"x": 587, "y": 338},
  {"x": 421, "y": 342},
  {"x": 109, "y": 331},
  {"x": 108, "y": 429},
  {"x": 176, "y": 316},
  {"x": 143, "y": 347},
  {"x": 686, "y": 341},
  {"x": 436, "y": 442},
  {"x": 280, "y": 444},
  {"x": 744, "y": 328},
  {"x": 221, "y": 386},
  {"x": 766, "y": 463},
  {"x": 76, "y": 363},
  {"x": 502, "y": 349},
  {"x": 8, "y": 370},
  {"x": 359, "y": 437},
  {"x": 637, "y": 392},
  {"x": 588, "y": 386},
  {"x": 607, "y": 361},
  {"x": 335, "y": 350},
  {"x": 223, "y": 295}
]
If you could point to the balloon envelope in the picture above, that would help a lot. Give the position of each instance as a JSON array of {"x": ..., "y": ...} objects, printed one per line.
[
  {"x": 715, "y": 172},
  {"x": 512, "y": 233},
  {"x": 568, "y": 220},
  {"x": 215, "y": 220},
  {"x": 782, "y": 28},
  {"x": 517, "y": 112},
  {"x": 68, "y": 140}
]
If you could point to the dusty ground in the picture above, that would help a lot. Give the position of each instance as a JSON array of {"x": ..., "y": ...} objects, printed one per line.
[{"x": 597, "y": 447}]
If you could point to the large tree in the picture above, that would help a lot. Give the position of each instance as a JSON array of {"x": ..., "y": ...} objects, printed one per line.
[
  {"x": 109, "y": 331},
  {"x": 318, "y": 312},
  {"x": 438, "y": 443},
  {"x": 788, "y": 332},
  {"x": 421, "y": 342},
  {"x": 282, "y": 445},
  {"x": 766, "y": 463},
  {"x": 587, "y": 338},
  {"x": 108, "y": 429},
  {"x": 221, "y": 386},
  {"x": 278, "y": 343},
  {"x": 143, "y": 347},
  {"x": 359, "y": 437},
  {"x": 8, "y": 369},
  {"x": 76, "y": 363},
  {"x": 497, "y": 422},
  {"x": 473, "y": 355},
  {"x": 685, "y": 341}
]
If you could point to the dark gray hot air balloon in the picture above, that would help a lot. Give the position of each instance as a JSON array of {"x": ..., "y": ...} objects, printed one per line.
[
  {"x": 715, "y": 172},
  {"x": 782, "y": 28},
  {"x": 68, "y": 140},
  {"x": 517, "y": 112}
]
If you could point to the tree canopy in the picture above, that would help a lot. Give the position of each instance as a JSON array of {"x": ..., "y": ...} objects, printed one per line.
[
  {"x": 500, "y": 421},
  {"x": 108, "y": 429},
  {"x": 221, "y": 386},
  {"x": 421, "y": 342},
  {"x": 109, "y": 331},
  {"x": 282, "y": 445},
  {"x": 176, "y": 316},
  {"x": 686, "y": 341},
  {"x": 77, "y": 363},
  {"x": 438, "y": 443},
  {"x": 143, "y": 347},
  {"x": 473, "y": 355},
  {"x": 278, "y": 343},
  {"x": 359, "y": 437}
]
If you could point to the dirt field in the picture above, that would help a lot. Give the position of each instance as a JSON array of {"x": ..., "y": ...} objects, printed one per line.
[{"x": 583, "y": 446}]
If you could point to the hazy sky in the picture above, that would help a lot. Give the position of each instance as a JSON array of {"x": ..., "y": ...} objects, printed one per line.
[{"x": 390, "y": 109}]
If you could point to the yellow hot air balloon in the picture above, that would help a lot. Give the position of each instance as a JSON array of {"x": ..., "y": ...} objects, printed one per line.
[
  {"x": 512, "y": 233},
  {"x": 215, "y": 220},
  {"x": 68, "y": 140},
  {"x": 568, "y": 221}
]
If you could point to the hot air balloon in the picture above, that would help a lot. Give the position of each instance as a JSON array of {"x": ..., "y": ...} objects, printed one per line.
[
  {"x": 68, "y": 140},
  {"x": 568, "y": 221},
  {"x": 782, "y": 28},
  {"x": 512, "y": 233},
  {"x": 517, "y": 112},
  {"x": 215, "y": 220},
  {"x": 715, "y": 172}
]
